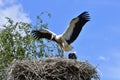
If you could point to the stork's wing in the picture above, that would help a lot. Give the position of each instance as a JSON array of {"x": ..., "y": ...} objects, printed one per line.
[
  {"x": 38, "y": 34},
  {"x": 75, "y": 27}
]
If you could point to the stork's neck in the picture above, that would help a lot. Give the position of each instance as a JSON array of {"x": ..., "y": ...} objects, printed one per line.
[{"x": 58, "y": 36}]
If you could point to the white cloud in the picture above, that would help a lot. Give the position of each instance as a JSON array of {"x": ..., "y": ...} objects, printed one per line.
[
  {"x": 4, "y": 3},
  {"x": 13, "y": 10}
]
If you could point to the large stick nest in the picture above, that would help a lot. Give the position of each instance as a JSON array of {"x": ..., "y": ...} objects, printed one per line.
[{"x": 51, "y": 69}]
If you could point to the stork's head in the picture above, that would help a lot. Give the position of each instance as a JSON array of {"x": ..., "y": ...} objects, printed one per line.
[{"x": 72, "y": 55}]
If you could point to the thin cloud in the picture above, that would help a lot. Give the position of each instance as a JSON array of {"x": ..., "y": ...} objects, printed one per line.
[
  {"x": 101, "y": 58},
  {"x": 111, "y": 72},
  {"x": 111, "y": 68},
  {"x": 1, "y": 3},
  {"x": 113, "y": 3},
  {"x": 115, "y": 70}
]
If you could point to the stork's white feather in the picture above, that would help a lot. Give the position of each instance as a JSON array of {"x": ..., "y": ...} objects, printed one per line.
[
  {"x": 50, "y": 32},
  {"x": 68, "y": 32}
]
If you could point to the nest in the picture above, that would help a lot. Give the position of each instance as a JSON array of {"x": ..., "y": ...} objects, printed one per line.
[{"x": 51, "y": 69}]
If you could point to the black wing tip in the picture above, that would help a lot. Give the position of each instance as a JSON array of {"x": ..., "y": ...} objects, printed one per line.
[
  {"x": 33, "y": 31},
  {"x": 85, "y": 16},
  {"x": 35, "y": 34}
]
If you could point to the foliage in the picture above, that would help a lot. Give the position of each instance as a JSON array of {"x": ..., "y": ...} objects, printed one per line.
[{"x": 16, "y": 42}]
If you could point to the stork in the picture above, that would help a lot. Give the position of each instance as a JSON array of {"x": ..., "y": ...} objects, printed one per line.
[
  {"x": 72, "y": 55},
  {"x": 68, "y": 36}
]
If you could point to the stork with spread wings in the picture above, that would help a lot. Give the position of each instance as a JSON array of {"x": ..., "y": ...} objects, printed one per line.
[{"x": 67, "y": 37}]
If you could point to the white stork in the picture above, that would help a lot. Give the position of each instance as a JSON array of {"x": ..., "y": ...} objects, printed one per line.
[{"x": 67, "y": 37}]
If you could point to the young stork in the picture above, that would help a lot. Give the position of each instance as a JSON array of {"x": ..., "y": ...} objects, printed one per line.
[
  {"x": 67, "y": 37},
  {"x": 72, "y": 55}
]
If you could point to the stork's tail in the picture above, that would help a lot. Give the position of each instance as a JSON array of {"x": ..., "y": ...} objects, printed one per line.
[{"x": 67, "y": 48}]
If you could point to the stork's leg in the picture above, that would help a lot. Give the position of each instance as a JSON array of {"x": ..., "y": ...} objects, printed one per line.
[
  {"x": 66, "y": 46},
  {"x": 63, "y": 44},
  {"x": 62, "y": 53}
]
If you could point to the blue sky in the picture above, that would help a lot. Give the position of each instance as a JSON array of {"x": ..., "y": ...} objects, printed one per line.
[{"x": 99, "y": 40}]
